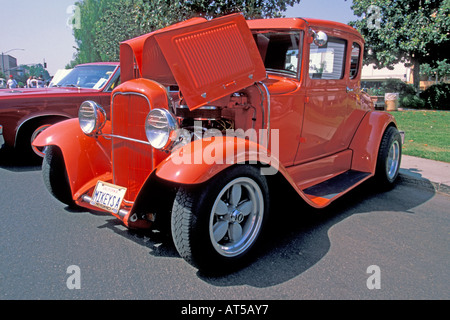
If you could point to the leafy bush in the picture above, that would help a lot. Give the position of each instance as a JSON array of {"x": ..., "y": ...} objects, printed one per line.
[
  {"x": 437, "y": 96},
  {"x": 412, "y": 101},
  {"x": 407, "y": 93},
  {"x": 379, "y": 88},
  {"x": 375, "y": 91},
  {"x": 396, "y": 85}
]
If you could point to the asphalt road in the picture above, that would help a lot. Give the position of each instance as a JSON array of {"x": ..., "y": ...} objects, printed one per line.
[{"x": 398, "y": 240}]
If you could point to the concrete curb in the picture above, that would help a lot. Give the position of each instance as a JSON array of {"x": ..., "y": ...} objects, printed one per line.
[
  {"x": 429, "y": 174},
  {"x": 424, "y": 183}
]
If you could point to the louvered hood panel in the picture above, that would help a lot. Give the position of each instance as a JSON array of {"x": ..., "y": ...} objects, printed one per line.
[{"x": 208, "y": 60}]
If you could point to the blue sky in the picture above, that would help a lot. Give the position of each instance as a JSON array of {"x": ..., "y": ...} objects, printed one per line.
[
  {"x": 40, "y": 27},
  {"x": 335, "y": 10}
]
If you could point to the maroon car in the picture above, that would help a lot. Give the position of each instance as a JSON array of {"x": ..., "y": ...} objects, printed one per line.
[{"x": 24, "y": 113}]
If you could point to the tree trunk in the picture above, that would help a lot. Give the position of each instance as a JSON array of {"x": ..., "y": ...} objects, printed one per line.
[{"x": 416, "y": 75}]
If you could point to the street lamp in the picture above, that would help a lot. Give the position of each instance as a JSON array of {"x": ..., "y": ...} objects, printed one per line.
[{"x": 3, "y": 59}]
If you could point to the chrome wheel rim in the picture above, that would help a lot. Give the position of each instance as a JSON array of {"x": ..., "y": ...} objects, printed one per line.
[
  {"x": 236, "y": 217},
  {"x": 40, "y": 151},
  {"x": 393, "y": 160}
]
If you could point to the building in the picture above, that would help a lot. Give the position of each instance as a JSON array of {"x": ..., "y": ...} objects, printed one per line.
[
  {"x": 8, "y": 65},
  {"x": 371, "y": 77}
]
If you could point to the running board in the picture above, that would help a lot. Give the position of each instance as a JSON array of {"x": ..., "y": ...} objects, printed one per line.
[{"x": 325, "y": 192}]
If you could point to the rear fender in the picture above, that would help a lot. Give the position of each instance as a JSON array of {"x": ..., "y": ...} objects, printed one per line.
[
  {"x": 367, "y": 139},
  {"x": 86, "y": 158}
]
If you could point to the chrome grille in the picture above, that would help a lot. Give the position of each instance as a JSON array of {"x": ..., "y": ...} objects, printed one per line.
[{"x": 131, "y": 152}]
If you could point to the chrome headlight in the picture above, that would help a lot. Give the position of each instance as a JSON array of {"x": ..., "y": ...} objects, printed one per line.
[
  {"x": 92, "y": 117},
  {"x": 161, "y": 129}
]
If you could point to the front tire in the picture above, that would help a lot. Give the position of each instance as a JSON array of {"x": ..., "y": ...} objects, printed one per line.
[
  {"x": 217, "y": 226},
  {"x": 55, "y": 175}
]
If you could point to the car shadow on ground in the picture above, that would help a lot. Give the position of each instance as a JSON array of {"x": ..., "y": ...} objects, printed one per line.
[
  {"x": 297, "y": 236},
  {"x": 15, "y": 162},
  {"x": 159, "y": 243}
]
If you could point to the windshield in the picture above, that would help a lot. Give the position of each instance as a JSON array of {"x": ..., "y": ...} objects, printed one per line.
[
  {"x": 92, "y": 76},
  {"x": 280, "y": 50}
]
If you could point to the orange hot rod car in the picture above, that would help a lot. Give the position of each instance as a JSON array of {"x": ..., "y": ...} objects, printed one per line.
[{"x": 206, "y": 113}]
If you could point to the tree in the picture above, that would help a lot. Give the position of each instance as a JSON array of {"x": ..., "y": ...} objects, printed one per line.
[
  {"x": 127, "y": 19},
  {"x": 413, "y": 32},
  {"x": 90, "y": 11},
  {"x": 105, "y": 23},
  {"x": 35, "y": 70},
  {"x": 440, "y": 71},
  {"x": 118, "y": 23},
  {"x": 250, "y": 9}
]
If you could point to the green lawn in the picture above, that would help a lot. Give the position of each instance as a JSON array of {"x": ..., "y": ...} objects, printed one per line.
[{"x": 427, "y": 133}]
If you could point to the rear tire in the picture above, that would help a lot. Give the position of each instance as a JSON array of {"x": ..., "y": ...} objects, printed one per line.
[
  {"x": 216, "y": 227},
  {"x": 55, "y": 175},
  {"x": 389, "y": 158}
]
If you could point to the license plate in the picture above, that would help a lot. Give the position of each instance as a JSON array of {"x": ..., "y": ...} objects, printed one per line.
[{"x": 108, "y": 196}]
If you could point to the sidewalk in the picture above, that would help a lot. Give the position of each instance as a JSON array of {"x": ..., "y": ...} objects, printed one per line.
[{"x": 427, "y": 173}]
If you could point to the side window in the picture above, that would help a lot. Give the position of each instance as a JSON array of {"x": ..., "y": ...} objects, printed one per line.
[
  {"x": 280, "y": 51},
  {"x": 114, "y": 83},
  {"x": 327, "y": 62},
  {"x": 355, "y": 59}
]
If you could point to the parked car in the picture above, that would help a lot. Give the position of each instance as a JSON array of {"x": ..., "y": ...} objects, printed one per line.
[
  {"x": 209, "y": 115},
  {"x": 24, "y": 113},
  {"x": 59, "y": 75},
  {"x": 37, "y": 83}
]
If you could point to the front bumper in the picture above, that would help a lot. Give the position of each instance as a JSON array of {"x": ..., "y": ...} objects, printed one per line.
[
  {"x": 402, "y": 134},
  {"x": 2, "y": 140}
]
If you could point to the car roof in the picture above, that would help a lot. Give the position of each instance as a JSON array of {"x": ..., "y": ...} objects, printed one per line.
[
  {"x": 300, "y": 23},
  {"x": 98, "y": 63}
]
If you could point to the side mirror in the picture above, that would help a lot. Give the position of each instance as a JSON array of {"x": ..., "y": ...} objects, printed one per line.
[{"x": 320, "y": 38}]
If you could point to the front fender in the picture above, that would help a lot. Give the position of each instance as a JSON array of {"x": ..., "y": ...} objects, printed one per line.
[
  {"x": 200, "y": 160},
  {"x": 86, "y": 158},
  {"x": 194, "y": 163},
  {"x": 367, "y": 139}
]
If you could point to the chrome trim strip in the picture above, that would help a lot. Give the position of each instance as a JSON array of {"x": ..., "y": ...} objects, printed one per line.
[
  {"x": 268, "y": 106},
  {"x": 125, "y": 138},
  {"x": 268, "y": 111}
]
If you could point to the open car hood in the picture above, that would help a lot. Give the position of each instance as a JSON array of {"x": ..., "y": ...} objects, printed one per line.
[{"x": 206, "y": 59}]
